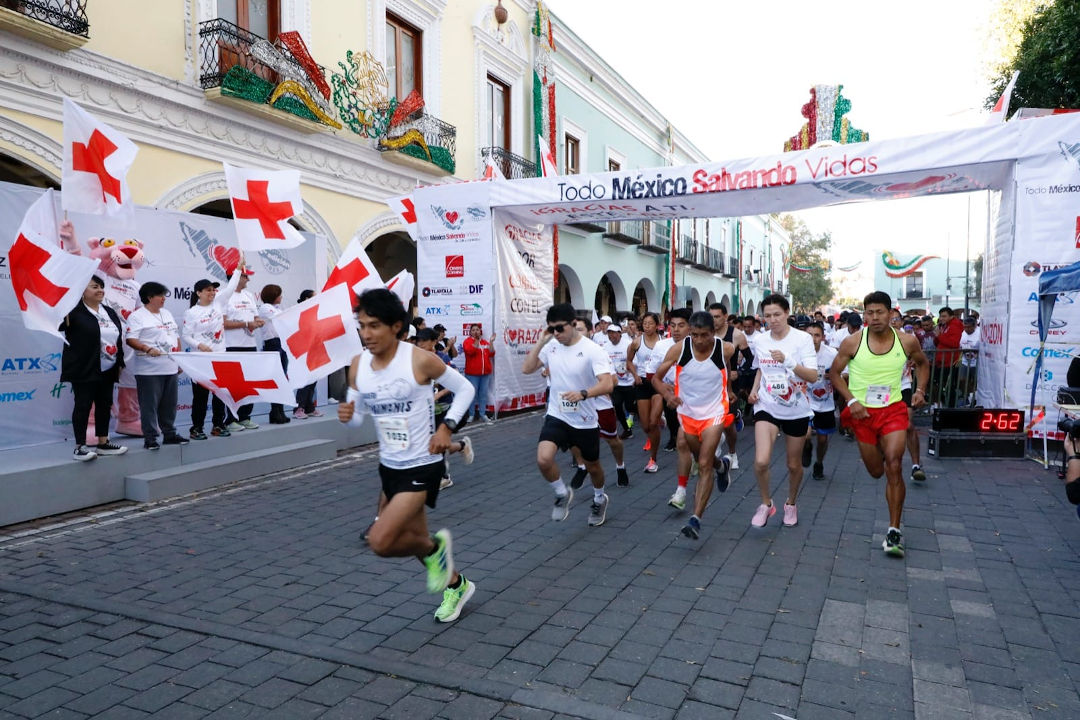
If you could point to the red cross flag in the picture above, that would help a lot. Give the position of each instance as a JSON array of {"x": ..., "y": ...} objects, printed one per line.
[
  {"x": 48, "y": 282},
  {"x": 238, "y": 378},
  {"x": 96, "y": 162},
  {"x": 547, "y": 162},
  {"x": 319, "y": 336},
  {"x": 405, "y": 209},
  {"x": 262, "y": 202},
  {"x": 355, "y": 270},
  {"x": 403, "y": 285},
  {"x": 491, "y": 170}
]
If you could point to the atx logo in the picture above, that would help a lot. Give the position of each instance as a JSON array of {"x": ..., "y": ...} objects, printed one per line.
[
  {"x": 455, "y": 266},
  {"x": 28, "y": 365},
  {"x": 437, "y": 310}
]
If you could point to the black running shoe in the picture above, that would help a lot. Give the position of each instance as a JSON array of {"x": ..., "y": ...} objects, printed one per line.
[
  {"x": 670, "y": 447},
  {"x": 579, "y": 478},
  {"x": 819, "y": 471},
  {"x": 723, "y": 478},
  {"x": 692, "y": 529},
  {"x": 807, "y": 453},
  {"x": 624, "y": 479},
  {"x": 627, "y": 434}
]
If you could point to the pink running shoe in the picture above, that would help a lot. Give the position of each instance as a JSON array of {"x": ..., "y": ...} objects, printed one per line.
[
  {"x": 651, "y": 466},
  {"x": 762, "y": 515},
  {"x": 315, "y": 413},
  {"x": 791, "y": 516},
  {"x": 299, "y": 414}
]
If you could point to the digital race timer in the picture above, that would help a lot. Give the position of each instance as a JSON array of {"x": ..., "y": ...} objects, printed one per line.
[{"x": 980, "y": 421}]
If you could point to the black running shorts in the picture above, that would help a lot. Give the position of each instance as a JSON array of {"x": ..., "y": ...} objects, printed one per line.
[
  {"x": 791, "y": 428},
  {"x": 586, "y": 440},
  {"x": 824, "y": 423},
  {"x": 424, "y": 478}
]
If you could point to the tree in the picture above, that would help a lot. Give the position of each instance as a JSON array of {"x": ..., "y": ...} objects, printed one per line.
[
  {"x": 812, "y": 289},
  {"x": 1048, "y": 59}
]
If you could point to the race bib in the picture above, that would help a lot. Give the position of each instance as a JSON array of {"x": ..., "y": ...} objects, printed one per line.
[
  {"x": 394, "y": 432},
  {"x": 878, "y": 395},
  {"x": 776, "y": 383},
  {"x": 568, "y": 407}
]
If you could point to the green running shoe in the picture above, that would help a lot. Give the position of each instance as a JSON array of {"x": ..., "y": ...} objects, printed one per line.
[
  {"x": 893, "y": 544},
  {"x": 440, "y": 564},
  {"x": 453, "y": 600}
]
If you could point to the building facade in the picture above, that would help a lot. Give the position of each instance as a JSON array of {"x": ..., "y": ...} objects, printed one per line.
[
  {"x": 926, "y": 286},
  {"x": 367, "y": 99}
]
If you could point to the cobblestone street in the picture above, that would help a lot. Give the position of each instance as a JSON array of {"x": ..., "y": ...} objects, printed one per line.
[{"x": 261, "y": 601}]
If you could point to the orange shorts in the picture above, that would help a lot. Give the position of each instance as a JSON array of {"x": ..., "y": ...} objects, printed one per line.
[
  {"x": 882, "y": 421},
  {"x": 692, "y": 426}
]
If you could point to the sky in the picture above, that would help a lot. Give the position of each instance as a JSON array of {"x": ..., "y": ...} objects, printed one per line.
[{"x": 733, "y": 76}]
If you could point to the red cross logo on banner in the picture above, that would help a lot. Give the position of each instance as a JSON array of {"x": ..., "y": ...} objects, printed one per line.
[
  {"x": 312, "y": 335},
  {"x": 230, "y": 376},
  {"x": 258, "y": 207},
  {"x": 352, "y": 273},
  {"x": 26, "y": 261},
  {"x": 91, "y": 158}
]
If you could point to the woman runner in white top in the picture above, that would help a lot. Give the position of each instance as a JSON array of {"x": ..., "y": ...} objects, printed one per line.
[
  {"x": 650, "y": 407},
  {"x": 392, "y": 381}
]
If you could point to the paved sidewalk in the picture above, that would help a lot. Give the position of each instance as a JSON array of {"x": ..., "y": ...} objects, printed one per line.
[{"x": 261, "y": 601}]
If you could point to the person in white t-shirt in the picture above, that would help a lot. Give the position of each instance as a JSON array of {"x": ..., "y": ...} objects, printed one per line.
[
  {"x": 241, "y": 321},
  {"x": 267, "y": 337},
  {"x": 204, "y": 331},
  {"x": 578, "y": 371},
  {"x": 785, "y": 361},
  {"x": 623, "y": 397},
  {"x": 153, "y": 334},
  {"x": 969, "y": 360},
  {"x": 822, "y": 403}
]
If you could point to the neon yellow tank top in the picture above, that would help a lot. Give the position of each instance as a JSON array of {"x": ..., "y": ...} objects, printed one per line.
[{"x": 874, "y": 380}]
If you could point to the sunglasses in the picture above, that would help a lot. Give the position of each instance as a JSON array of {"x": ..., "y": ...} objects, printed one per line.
[{"x": 557, "y": 328}]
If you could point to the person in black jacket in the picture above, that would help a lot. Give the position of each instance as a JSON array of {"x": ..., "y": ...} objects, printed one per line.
[{"x": 91, "y": 362}]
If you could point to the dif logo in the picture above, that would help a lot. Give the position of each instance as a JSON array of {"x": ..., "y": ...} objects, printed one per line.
[
  {"x": 476, "y": 289},
  {"x": 455, "y": 266}
]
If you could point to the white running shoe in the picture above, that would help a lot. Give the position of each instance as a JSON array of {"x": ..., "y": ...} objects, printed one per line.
[
  {"x": 678, "y": 500},
  {"x": 562, "y": 505},
  {"x": 734, "y": 461},
  {"x": 466, "y": 450}
]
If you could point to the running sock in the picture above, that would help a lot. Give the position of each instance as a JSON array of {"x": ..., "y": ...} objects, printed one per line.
[
  {"x": 683, "y": 480},
  {"x": 598, "y": 494},
  {"x": 456, "y": 585},
  {"x": 559, "y": 487},
  {"x": 621, "y": 466},
  {"x": 891, "y": 528},
  {"x": 580, "y": 467},
  {"x": 436, "y": 543}
]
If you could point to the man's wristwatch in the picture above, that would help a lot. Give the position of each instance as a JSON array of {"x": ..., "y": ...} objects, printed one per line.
[
  {"x": 584, "y": 394},
  {"x": 452, "y": 424}
]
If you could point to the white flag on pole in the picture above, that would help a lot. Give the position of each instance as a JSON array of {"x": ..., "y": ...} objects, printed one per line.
[
  {"x": 95, "y": 165},
  {"x": 238, "y": 378},
  {"x": 262, "y": 203},
  {"x": 319, "y": 335}
]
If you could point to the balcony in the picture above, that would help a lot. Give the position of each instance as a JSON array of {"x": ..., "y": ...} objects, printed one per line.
[
  {"x": 439, "y": 145},
  {"x": 513, "y": 167},
  {"x": 626, "y": 233},
  {"x": 657, "y": 237},
  {"x": 714, "y": 260},
  {"x": 687, "y": 251},
  {"x": 732, "y": 267},
  {"x": 61, "y": 24},
  {"x": 241, "y": 69}
]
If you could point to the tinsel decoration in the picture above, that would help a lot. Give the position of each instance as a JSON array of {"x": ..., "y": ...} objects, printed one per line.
[
  {"x": 409, "y": 137},
  {"x": 896, "y": 269},
  {"x": 298, "y": 49},
  {"x": 825, "y": 120},
  {"x": 360, "y": 95},
  {"x": 544, "y": 94},
  {"x": 849, "y": 268},
  {"x": 801, "y": 268},
  {"x": 273, "y": 58},
  {"x": 303, "y": 98},
  {"x": 412, "y": 104},
  {"x": 241, "y": 83}
]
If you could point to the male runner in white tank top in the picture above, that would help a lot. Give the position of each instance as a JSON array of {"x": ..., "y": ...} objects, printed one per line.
[{"x": 391, "y": 380}]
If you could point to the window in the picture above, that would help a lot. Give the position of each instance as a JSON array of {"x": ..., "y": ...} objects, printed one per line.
[
  {"x": 259, "y": 17},
  {"x": 613, "y": 165},
  {"x": 572, "y": 160},
  {"x": 404, "y": 58},
  {"x": 913, "y": 285},
  {"x": 498, "y": 113}
]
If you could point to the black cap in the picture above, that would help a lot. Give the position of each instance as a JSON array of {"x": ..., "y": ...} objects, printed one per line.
[
  {"x": 969, "y": 319},
  {"x": 204, "y": 283}
]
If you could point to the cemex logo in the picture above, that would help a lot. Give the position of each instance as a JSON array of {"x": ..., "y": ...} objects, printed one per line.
[
  {"x": 19, "y": 396},
  {"x": 455, "y": 266}
]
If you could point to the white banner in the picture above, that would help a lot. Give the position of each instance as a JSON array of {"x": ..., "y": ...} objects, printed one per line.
[
  {"x": 455, "y": 269},
  {"x": 173, "y": 248},
  {"x": 525, "y": 261}
]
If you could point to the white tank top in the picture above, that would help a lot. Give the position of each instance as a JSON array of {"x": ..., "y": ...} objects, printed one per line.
[
  {"x": 643, "y": 356},
  {"x": 702, "y": 384},
  {"x": 403, "y": 411}
]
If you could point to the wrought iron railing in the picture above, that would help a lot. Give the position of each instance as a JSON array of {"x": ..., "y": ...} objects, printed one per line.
[
  {"x": 514, "y": 167},
  {"x": 714, "y": 259},
  {"x": 631, "y": 229},
  {"x": 688, "y": 250},
  {"x": 436, "y": 132},
  {"x": 66, "y": 15},
  {"x": 658, "y": 234},
  {"x": 733, "y": 267},
  {"x": 223, "y": 45}
]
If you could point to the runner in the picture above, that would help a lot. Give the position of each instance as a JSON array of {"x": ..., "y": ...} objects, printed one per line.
[
  {"x": 730, "y": 334},
  {"x": 637, "y": 361},
  {"x": 700, "y": 394},
  {"x": 785, "y": 362},
  {"x": 396, "y": 380},
  {"x": 622, "y": 396},
  {"x": 578, "y": 371},
  {"x": 875, "y": 358},
  {"x": 821, "y": 402},
  {"x": 679, "y": 328},
  {"x": 606, "y": 417},
  {"x": 917, "y": 473}
]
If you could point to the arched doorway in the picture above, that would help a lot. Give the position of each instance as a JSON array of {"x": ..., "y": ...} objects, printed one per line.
[
  {"x": 13, "y": 170},
  {"x": 693, "y": 299},
  {"x": 710, "y": 298},
  {"x": 726, "y": 302},
  {"x": 750, "y": 307},
  {"x": 391, "y": 253},
  {"x": 610, "y": 294},
  {"x": 569, "y": 289},
  {"x": 644, "y": 298}
]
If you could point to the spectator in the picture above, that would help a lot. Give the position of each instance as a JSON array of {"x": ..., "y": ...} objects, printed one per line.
[
  {"x": 444, "y": 345},
  {"x": 947, "y": 342},
  {"x": 91, "y": 362},
  {"x": 305, "y": 396},
  {"x": 153, "y": 334},
  {"x": 479, "y": 359},
  {"x": 969, "y": 343},
  {"x": 269, "y": 309},
  {"x": 241, "y": 321},
  {"x": 204, "y": 331}
]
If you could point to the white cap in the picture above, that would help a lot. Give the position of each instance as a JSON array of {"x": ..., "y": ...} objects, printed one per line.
[
  {"x": 412, "y": 330},
  {"x": 605, "y": 318},
  {"x": 614, "y": 327}
]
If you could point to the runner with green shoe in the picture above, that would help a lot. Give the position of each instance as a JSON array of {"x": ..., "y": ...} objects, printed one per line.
[{"x": 391, "y": 381}]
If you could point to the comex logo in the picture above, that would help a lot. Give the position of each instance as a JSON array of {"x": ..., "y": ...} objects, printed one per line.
[
  {"x": 18, "y": 396},
  {"x": 30, "y": 365},
  {"x": 1048, "y": 352}
]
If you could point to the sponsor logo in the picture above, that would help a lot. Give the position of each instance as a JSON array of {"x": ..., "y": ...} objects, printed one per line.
[
  {"x": 1049, "y": 353},
  {"x": 454, "y": 219},
  {"x": 515, "y": 337},
  {"x": 17, "y": 396},
  {"x": 275, "y": 261},
  {"x": 205, "y": 248},
  {"x": 455, "y": 266},
  {"x": 993, "y": 333},
  {"x": 525, "y": 305},
  {"x": 1070, "y": 151},
  {"x": 1055, "y": 328},
  {"x": 523, "y": 281},
  {"x": 475, "y": 289},
  {"x": 1067, "y": 298},
  {"x": 437, "y": 310},
  {"x": 1033, "y": 268},
  {"x": 58, "y": 388},
  {"x": 30, "y": 365},
  {"x": 429, "y": 291},
  {"x": 472, "y": 309}
]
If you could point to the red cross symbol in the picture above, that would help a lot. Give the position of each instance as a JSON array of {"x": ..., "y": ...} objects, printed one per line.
[
  {"x": 350, "y": 274},
  {"x": 91, "y": 158},
  {"x": 26, "y": 261},
  {"x": 258, "y": 207},
  {"x": 312, "y": 335},
  {"x": 410, "y": 211},
  {"x": 230, "y": 376}
]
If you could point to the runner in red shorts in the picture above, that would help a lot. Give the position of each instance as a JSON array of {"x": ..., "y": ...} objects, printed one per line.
[{"x": 875, "y": 358}]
